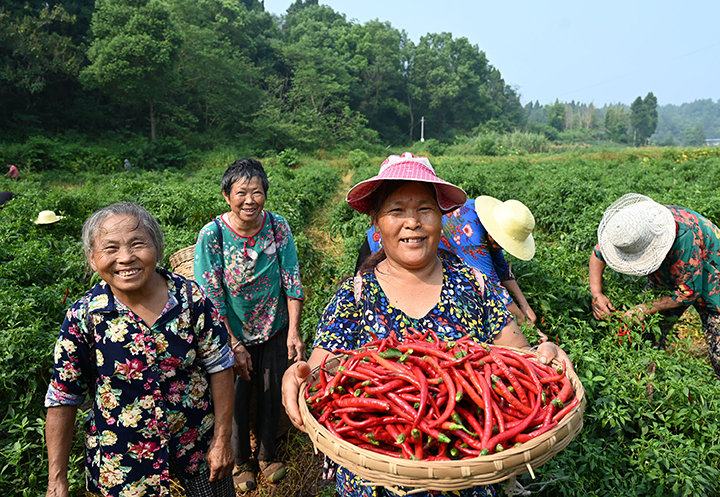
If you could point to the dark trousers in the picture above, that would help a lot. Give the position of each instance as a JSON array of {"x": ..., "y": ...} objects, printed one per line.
[{"x": 269, "y": 361}]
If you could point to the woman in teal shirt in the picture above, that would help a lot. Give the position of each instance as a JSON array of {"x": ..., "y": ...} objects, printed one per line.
[{"x": 247, "y": 263}]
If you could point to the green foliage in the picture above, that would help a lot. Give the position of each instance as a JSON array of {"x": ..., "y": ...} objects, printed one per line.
[
  {"x": 643, "y": 118},
  {"x": 358, "y": 158}
]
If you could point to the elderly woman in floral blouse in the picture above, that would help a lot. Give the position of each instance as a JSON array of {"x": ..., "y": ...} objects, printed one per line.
[
  {"x": 151, "y": 352},
  {"x": 247, "y": 262},
  {"x": 676, "y": 248}
]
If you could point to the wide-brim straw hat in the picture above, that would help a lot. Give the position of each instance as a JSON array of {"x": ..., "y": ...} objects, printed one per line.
[
  {"x": 410, "y": 168},
  {"x": 47, "y": 217},
  {"x": 636, "y": 234},
  {"x": 510, "y": 223}
]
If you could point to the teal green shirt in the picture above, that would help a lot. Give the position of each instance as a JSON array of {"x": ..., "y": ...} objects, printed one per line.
[{"x": 249, "y": 279}]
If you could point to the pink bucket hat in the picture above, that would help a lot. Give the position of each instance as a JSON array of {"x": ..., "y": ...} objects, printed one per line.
[{"x": 410, "y": 168}]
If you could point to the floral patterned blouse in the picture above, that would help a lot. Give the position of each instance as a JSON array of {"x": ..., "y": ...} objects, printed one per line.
[
  {"x": 249, "y": 278},
  {"x": 465, "y": 236},
  {"x": 149, "y": 385},
  {"x": 467, "y": 305},
  {"x": 691, "y": 268}
]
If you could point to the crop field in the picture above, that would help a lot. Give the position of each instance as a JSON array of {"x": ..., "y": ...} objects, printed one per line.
[{"x": 652, "y": 421}]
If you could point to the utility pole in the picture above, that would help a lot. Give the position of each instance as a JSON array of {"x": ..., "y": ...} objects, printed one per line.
[{"x": 422, "y": 129}]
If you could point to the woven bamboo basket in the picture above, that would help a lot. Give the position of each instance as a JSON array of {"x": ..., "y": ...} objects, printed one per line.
[
  {"x": 381, "y": 470},
  {"x": 181, "y": 262}
]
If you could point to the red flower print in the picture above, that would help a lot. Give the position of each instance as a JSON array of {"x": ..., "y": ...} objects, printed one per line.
[
  {"x": 189, "y": 436},
  {"x": 467, "y": 230},
  {"x": 132, "y": 369},
  {"x": 144, "y": 449},
  {"x": 170, "y": 364},
  {"x": 376, "y": 237}
]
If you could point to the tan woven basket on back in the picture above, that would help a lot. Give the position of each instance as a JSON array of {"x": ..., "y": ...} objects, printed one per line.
[
  {"x": 391, "y": 472},
  {"x": 182, "y": 261}
]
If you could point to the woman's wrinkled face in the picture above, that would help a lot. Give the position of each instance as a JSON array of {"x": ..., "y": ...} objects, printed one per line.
[
  {"x": 246, "y": 200},
  {"x": 410, "y": 223},
  {"x": 124, "y": 254}
]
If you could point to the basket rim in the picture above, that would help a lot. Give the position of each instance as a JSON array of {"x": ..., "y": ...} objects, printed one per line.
[{"x": 470, "y": 472}]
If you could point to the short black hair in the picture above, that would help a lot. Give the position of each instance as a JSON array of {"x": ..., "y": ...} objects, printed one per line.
[{"x": 246, "y": 169}]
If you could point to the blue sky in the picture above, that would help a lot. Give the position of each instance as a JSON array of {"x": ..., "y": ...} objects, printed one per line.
[{"x": 602, "y": 52}]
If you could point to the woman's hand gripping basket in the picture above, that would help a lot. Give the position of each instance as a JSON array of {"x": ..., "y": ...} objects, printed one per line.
[{"x": 440, "y": 415}]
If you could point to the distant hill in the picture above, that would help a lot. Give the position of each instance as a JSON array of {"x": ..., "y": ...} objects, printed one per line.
[{"x": 687, "y": 124}]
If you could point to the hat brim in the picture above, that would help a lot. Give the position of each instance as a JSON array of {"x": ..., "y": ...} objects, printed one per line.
[
  {"x": 647, "y": 261},
  {"x": 449, "y": 196},
  {"x": 49, "y": 221},
  {"x": 523, "y": 250}
]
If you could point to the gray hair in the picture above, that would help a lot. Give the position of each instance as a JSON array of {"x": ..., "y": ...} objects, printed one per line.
[{"x": 92, "y": 225}]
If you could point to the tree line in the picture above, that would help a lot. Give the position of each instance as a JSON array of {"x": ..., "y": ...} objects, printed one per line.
[{"x": 227, "y": 69}]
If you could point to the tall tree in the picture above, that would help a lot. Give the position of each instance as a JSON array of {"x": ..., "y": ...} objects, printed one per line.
[
  {"x": 643, "y": 118},
  {"x": 617, "y": 123},
  {"x": 556, "y": 116},
  {"x": 134, "y": 51}
]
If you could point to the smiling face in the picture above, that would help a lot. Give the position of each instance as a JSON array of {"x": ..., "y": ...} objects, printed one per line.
[
  {"x": 246, "y": 200},
  {"x": 410, "y": 223},
  {"x": 124, "y": 255}
]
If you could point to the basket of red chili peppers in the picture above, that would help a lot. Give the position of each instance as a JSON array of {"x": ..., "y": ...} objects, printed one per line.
[{"x": 440, "y": 415}]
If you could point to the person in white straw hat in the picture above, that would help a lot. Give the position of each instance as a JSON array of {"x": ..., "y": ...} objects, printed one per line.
[
  {"x": 676, "y": 248},
  {"x": 477, "y": 232},
  {"x": 47, "y": 217}
]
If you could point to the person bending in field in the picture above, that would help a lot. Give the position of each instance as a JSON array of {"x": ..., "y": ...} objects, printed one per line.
[{"x": 676, "y": 248}]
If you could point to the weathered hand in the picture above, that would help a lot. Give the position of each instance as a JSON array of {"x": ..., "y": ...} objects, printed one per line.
[
  {"x": 220, "y": 458},
  {"x": 601, "y": 306},
  {"x": 243, "y": 363},
  {"x": 296, "y": 347}
]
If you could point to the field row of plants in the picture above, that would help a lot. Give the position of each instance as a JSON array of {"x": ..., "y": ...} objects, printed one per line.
[{"x": 652, "y": 423}]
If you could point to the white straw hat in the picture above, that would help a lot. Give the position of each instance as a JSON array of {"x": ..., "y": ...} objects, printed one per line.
[
  {"x": 510, "y": 223},
  {"x": 636, "y": 234},
  {"x": 47, "y": 217}
]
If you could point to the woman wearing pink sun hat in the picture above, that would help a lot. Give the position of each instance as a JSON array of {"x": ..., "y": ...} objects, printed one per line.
[{"x": 408, "y": 286}]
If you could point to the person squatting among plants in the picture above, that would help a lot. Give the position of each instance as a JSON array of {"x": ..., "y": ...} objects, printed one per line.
[
  {"x": 406, "y": 202},
  {"x": 477, "y": 232},
  {"x": 676, "y": 248},
  {"x": 151, "y": 352},
  {"x": 247, "y": 262}
]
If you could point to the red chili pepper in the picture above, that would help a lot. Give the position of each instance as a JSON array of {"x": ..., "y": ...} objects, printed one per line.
[
  {"x": 500, "y": 437},
  {"x": 365, "y": 402},
  {"x": 509, "y": 375},
  {"x": 562, "y": 412},
  {"x": 526, "y": 437},
  {"x": 425, "y": 348},
  {"x": 448, "y": 382},
  {"x": 502, "y": 390},
  {"x": 424, "y": 393}
]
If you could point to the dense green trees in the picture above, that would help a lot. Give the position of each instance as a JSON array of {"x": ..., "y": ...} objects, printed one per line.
[{"x": 227, "y": 69}]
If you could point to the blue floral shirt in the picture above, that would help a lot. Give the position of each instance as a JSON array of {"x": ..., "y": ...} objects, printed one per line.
[
  {"x": 467, "y": 305},
  {"x": 149, "y": 385},
  {"x": 465, "y": 236}
]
